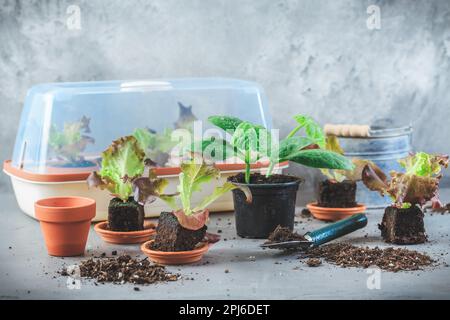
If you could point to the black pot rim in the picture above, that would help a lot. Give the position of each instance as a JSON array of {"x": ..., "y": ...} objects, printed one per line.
[{"x": 297, "y": 182}]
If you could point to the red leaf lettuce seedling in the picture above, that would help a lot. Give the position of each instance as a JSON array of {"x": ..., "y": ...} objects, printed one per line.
[{"x": 417, "y": 185}]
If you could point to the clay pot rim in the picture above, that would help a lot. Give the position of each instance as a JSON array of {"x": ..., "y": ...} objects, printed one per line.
[
  {"x": 200, "y": 250},
  {"x": 65, "y": 209},
  {"x": 100, "y": 228},
  {"x": 45, "y": 203},
  {"x": 314, "y": 207}
]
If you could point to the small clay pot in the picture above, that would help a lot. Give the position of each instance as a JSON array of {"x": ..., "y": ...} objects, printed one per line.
[
  {"x": 334, "y": 214},
  {"x": 175, "y": 257},
  {"x": 125, "y": 237},
  {"x": 65, "y": 223}
]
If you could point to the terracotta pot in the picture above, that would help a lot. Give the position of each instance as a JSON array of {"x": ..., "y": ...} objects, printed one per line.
[
  {"x": 121, "y": 237},
  {"x": 65, "y": 223},
  {"x": 177, "y": 257},
  {"x": 334, "y": 214}
]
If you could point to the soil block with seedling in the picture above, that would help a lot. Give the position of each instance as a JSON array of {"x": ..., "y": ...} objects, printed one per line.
[
  {"x": 403, "y": 225},
  {"x": 122, "y": 164},
  {"x": 172, "y": 236},
  {"x": 339, "y": 189},
  {"x": 125, "y": 215},
  {"x": 274, "y": 196},
  {"x": 410, "y": 190}
]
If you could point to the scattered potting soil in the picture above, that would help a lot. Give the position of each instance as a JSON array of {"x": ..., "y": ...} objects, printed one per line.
[
  {"x": 313, "y": 262},
  {"x": 305, "y": 213},
  {"x": 337, "y": 194},
  {"x": 257, "y": 178},
  {"x": 390, "y": 259},
  {"x": 442, "y": 210},
  {"x": 123, "y": 269},
  {"x": 283, "y": 234}
]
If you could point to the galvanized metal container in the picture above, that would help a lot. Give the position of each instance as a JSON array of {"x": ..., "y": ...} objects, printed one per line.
[{"x": 385, "y": 146}]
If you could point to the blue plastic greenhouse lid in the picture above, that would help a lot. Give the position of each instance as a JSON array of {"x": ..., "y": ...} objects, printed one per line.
[{"x": 64, "y": 127}]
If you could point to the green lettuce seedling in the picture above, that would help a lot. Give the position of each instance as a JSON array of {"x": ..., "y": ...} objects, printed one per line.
[
  {"x": 417, "y": 185},
  {"x": 250, "y": 142},
  {"x": 123, "y": 163},
  {"x": 193, "y": 175},
  {"x": 72, "y": 140}
]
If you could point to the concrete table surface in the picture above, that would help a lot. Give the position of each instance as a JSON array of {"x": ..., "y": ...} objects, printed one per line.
[{"x": 27, "y": 272}]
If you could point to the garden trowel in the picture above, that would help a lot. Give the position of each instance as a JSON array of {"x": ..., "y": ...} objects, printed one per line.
[{"x": 322, "y": 235}]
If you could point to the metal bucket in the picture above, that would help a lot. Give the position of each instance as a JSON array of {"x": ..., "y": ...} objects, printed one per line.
[{"x": 385, "y": 146}]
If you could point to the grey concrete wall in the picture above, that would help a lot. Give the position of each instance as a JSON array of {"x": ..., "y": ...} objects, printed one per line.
[{"x": 312, "y": 56}]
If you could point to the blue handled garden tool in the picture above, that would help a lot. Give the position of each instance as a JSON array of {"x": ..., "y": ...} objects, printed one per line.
[{"x": 323, "y": 235}]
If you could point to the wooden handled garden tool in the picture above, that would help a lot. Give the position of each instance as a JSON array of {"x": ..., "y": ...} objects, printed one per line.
[
  {"x": 362, "y": 131},
  {"x": 323, "y": 235}
]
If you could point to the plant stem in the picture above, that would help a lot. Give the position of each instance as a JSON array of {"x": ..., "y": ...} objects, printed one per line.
[
  {"x": 247, "y": 173},
  {"x": 294, "y": 131},
  {"x": 247, "y": 165},
  {"x": 270, "y": 169}
]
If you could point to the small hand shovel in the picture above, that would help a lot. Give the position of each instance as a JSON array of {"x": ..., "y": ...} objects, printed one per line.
[{"x": 323, "y": 235}]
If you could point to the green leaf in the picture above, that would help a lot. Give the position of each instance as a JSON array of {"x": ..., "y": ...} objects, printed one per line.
[
  {"x": 145, "y": 138},
  {"x": 226, "y": 123},
  {"x": 251, "y": 140},
  {"x": 192, "y": 176},
  {"x": 155, "y": 145},
  {"x": 312, "y": 129},
  {"x": 147, "y": 189},
  {"x": 214, "y": 149},
  {"x": 318, "y": 158},
  {"x": 423, "y": 164},
  {"x": 122, "y": 162},
  {"x": 170, "y": 200},
  {"x": 289, "y": 146}
]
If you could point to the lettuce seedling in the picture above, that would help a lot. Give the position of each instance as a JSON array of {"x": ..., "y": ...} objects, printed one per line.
[
  {"x": 156, "y": 146},
  {"x": 123, "y": 165},
  {"x": 193, "y": 175},
  {"x": 250, "y": 142},
  {"x": 72, "y": 140},
  {"x": 417, "y": 185}
]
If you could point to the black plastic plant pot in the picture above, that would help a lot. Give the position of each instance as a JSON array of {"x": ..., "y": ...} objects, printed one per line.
[{"x": 273, "y": 204}]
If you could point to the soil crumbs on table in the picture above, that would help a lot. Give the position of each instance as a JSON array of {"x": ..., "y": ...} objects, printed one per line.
[
  {"x": 122, "y": 269},
  {"x": 313, "y": 262},
  {"x": 283, "y": 234},
  {"x": 390, "y": 259}
]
